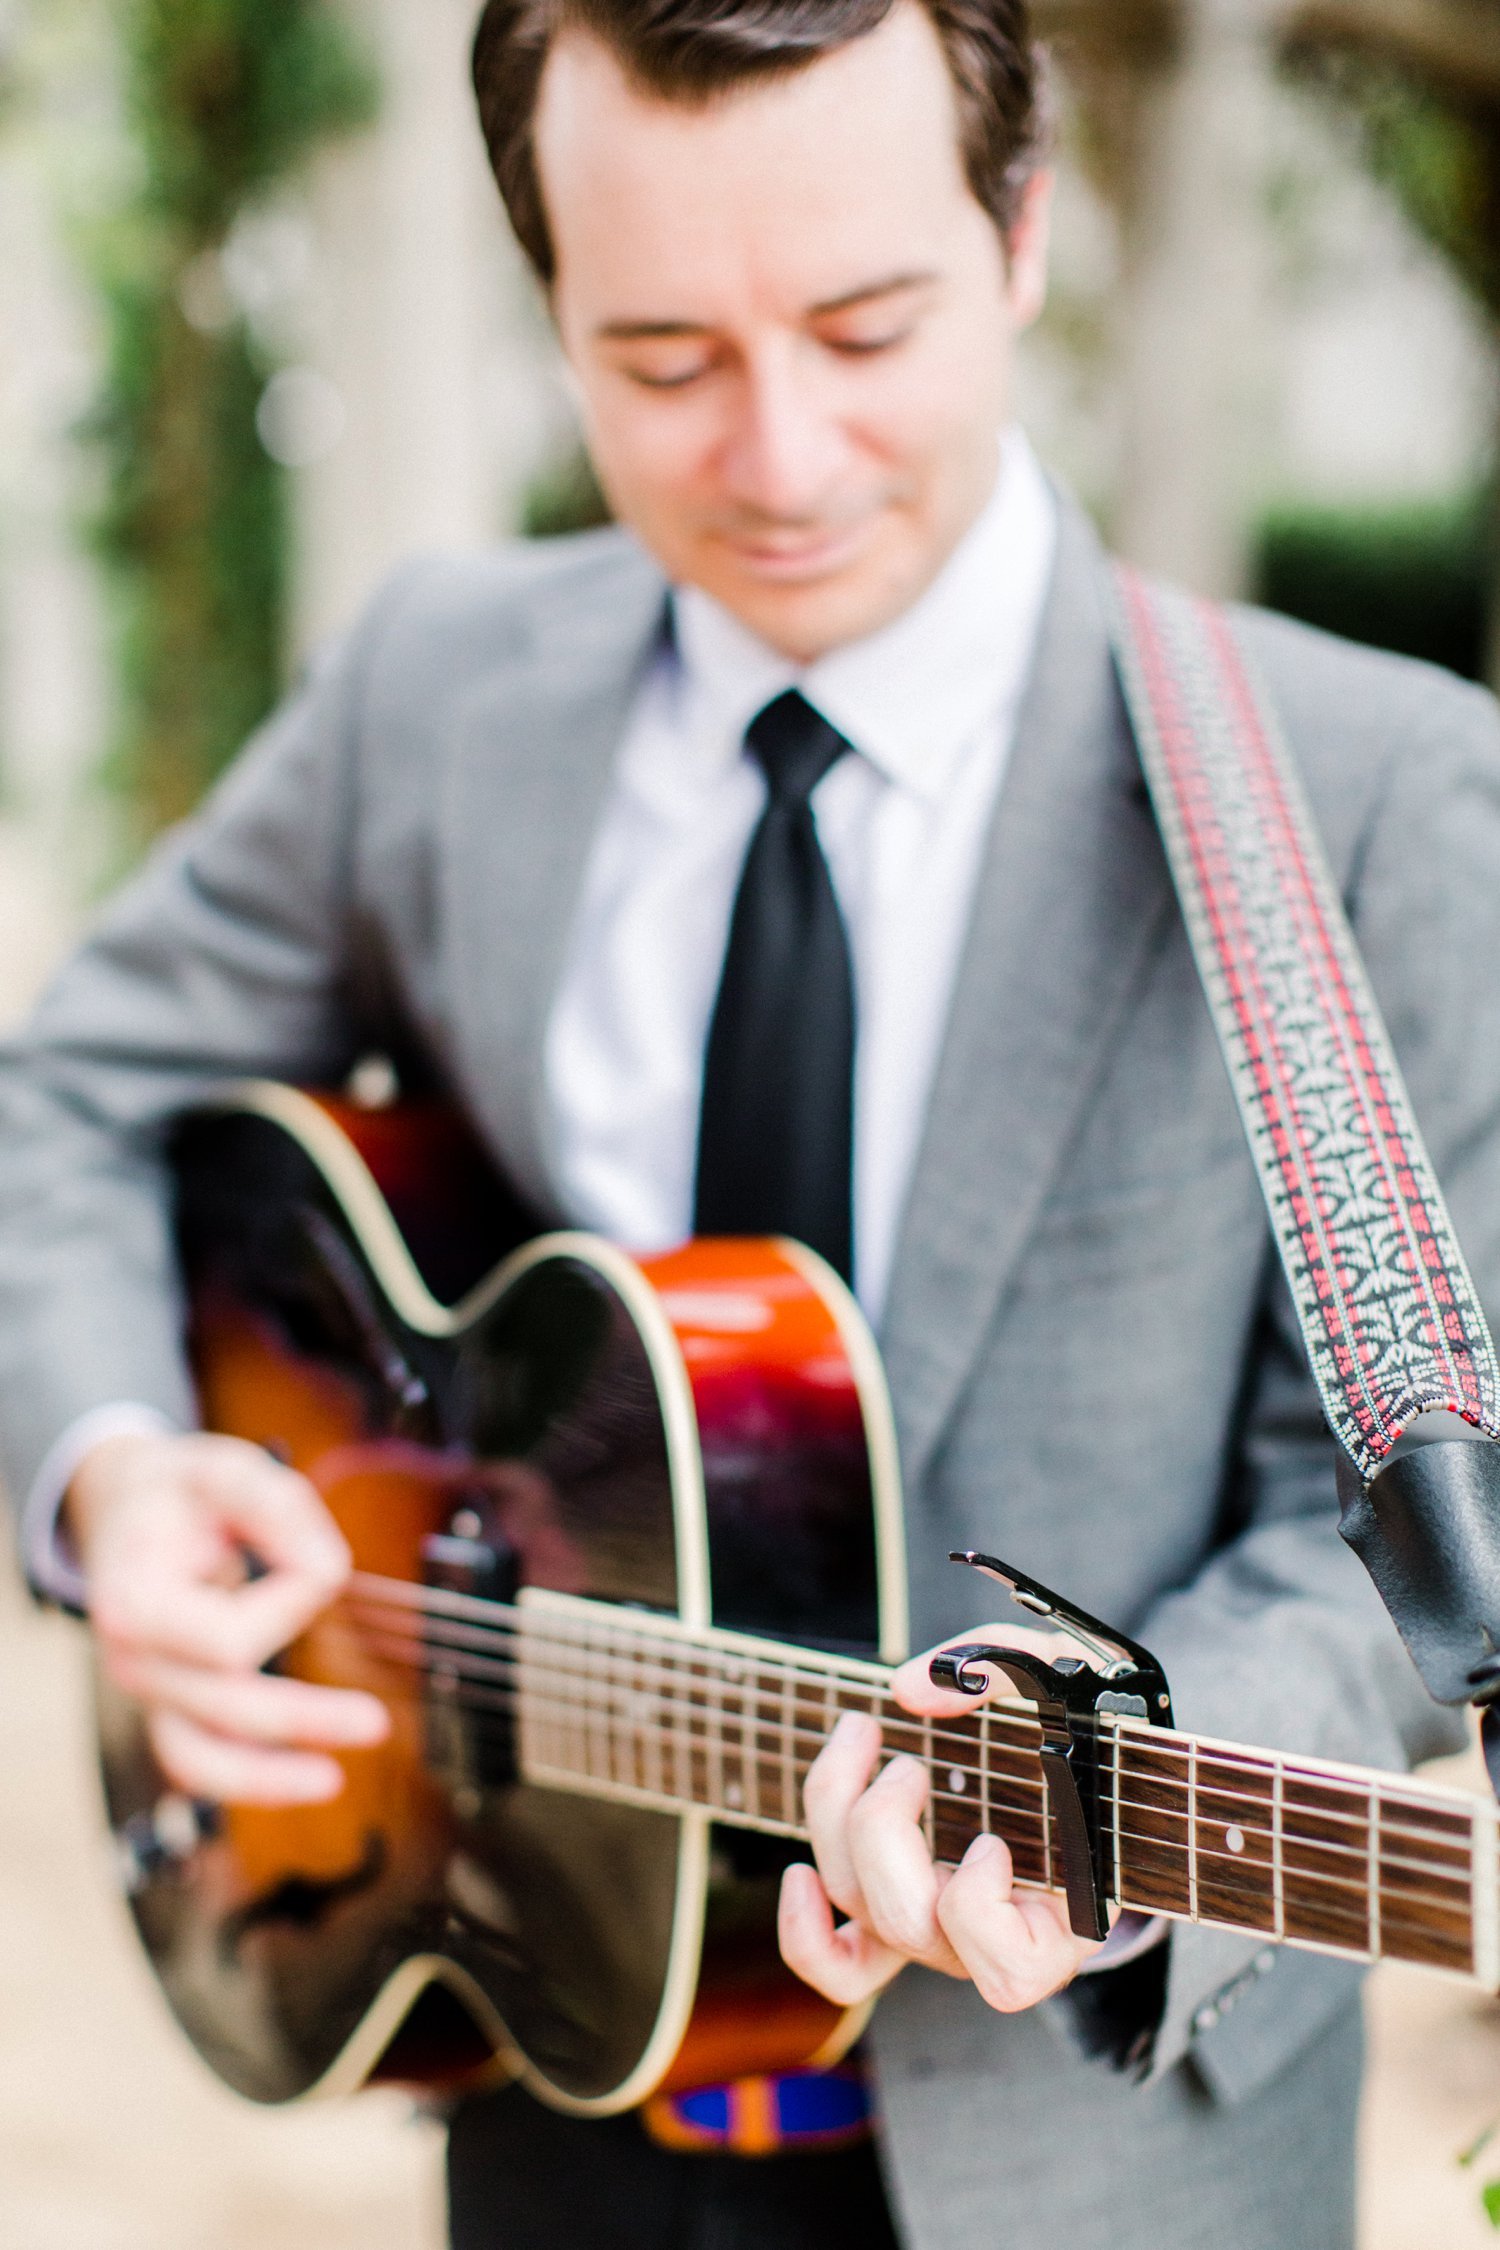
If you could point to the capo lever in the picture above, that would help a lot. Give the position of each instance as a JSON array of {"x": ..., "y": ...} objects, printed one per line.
[{"x": 1070, "y": 1697}]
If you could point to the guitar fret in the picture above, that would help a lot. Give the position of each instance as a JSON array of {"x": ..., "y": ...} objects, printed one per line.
[
  {"x": 929, "y": 1812},
  {"x": 1484, "y": 1896},
  {"x": 1118, "y": 1895},
  {"x": 682, "y": 1733},
  {"x": 1278, "y": 1863},
  {"x": 1048, "y": 1882},
  {"x": 649, "y": 1702},
  {"x": 714, "y": 1746},
  {"x": 596, "y": 1728},
  {"x": 734, "y": 1774},
  {"x": 750, "y": 1739},
  {"x": 1374, "y": 1879},
  {"x": 1192, "y": 1829},
  {"x": 789, "y": 1806},
  {"x": 985, "y": 1747}
]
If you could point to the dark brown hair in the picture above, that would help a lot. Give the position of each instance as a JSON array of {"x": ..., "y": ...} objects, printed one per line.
[{"x": 690, "y": 50}]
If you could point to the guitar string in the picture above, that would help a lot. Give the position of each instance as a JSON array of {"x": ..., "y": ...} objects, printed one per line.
[
  {"x": 1022, "y": 1829},
  {"x": 638, "y": 1678},
  {"x": 630, "y": 1647},
  {"x": 581, "y": 1712},
  {"x": 1402, "y": 1913},
  {"x": 632, "y": 1655},
  {"x": 627, "y": 1640}
]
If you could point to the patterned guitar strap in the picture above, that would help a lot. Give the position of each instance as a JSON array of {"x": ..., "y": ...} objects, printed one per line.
[{"x": 1400, "y": 1349}]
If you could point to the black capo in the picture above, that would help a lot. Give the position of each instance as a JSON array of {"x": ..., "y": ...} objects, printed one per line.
[{"x": 1069, "y": 1695}]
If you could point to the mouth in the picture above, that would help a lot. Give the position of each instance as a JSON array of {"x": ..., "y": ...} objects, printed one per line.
[{"x": 800, "y": 554}]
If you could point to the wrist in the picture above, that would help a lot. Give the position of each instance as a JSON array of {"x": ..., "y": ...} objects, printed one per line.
[{"x": 97, "y": 1483}]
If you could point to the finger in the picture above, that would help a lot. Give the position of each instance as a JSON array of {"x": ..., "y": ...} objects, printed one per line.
[
  {"x": 220, "y": 1629},
  {"x": 154, "y": 1574},
  {"x": 844, "y": 1962},
  {"x": 893, "y": 1866},
  {"x": 916, "y": 1691},
  {"x": 281, "y": 1516},
  {"x": 1018, "y": 1947},
  {"x": 205, "y": 1764},
  {"x": 836, "y": 1780},
  {"x": 253, "y": 1706}
]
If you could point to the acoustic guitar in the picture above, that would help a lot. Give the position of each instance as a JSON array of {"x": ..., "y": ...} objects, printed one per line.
[{"x": 627, "y": 1538}]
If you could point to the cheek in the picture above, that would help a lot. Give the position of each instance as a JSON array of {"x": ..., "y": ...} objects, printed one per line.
[{"x": 650, "y": 452}]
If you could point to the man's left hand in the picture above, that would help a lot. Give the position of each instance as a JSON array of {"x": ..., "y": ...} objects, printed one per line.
[{"x": 875, "y": 1868}]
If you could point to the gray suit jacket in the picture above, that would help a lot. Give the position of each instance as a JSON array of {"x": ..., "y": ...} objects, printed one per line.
[{"x": 1094, "y": 1366}]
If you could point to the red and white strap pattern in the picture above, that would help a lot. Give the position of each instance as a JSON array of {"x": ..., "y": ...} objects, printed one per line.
[{"x": 1389, "y": 1314}]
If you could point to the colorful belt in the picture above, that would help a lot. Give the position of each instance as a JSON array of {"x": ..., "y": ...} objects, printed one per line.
[{"x": 800, "y": 2110}]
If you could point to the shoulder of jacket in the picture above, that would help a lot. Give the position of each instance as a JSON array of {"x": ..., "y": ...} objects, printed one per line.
[
  {"x": 1354, "y": 689},
  {"x": 1363, "y": 723},
  {"x": 503, "y": 596}
]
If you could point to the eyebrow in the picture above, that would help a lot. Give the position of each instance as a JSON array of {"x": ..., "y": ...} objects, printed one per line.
[{"x": 868, "y": 292}]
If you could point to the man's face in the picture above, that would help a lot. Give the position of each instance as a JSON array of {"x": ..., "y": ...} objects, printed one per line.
[{"x": 791, "y": 324}]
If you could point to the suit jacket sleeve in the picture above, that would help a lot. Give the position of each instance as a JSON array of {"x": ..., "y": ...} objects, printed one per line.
[
  {"x": 230, "y": 954},
  {"x": 1279, "y": 1639}
]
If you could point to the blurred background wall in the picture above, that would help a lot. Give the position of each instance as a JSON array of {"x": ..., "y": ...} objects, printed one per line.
[{"x": 262, "y": 333}]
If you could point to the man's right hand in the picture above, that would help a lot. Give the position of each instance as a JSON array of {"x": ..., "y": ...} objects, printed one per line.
[{"x": 165, "y": 1527}]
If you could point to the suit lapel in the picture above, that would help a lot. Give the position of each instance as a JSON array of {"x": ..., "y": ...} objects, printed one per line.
[
  {"x": 536, "y": 748},
  {"x": 1073, "y": 891}
]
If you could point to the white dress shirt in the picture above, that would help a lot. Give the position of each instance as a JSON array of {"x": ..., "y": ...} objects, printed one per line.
[{"x": 929, "y": 705}]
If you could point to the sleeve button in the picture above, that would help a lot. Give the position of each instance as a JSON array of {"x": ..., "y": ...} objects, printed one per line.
[{"x": 1207, "y": 2018}]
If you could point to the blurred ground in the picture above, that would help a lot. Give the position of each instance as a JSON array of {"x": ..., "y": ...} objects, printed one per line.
[{"x": 113, "y": 2137}]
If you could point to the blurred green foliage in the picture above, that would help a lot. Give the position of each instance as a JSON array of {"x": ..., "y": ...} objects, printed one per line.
[
  {"x": 1414, "y": 577},
  {"x": 1423, "y": 579},
  {"x": 225, "y": 99},
  {"x": 1438, "y": 156},
  {"x": 564, "y": 496}
]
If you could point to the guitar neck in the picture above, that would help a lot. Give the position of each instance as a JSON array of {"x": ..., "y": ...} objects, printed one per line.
[{"x": 1340, "y": 1859}]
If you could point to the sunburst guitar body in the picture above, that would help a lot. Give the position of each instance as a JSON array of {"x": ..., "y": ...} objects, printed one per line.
[{"x": 615, "y": 1522}]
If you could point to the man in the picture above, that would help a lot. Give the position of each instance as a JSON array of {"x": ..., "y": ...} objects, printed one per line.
[{"x": 537, "y": 828}]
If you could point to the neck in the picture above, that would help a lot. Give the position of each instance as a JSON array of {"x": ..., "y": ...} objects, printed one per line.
[{"x": 632, "y": 1705}]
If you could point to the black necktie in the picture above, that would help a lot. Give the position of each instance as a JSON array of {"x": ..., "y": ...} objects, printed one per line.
[{"x": 775, "y": 1138}]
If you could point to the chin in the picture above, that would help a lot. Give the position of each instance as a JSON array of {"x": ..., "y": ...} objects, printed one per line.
[{"x": 809, "y": 619}]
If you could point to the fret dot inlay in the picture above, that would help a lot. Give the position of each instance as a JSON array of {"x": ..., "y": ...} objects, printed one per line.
[
  {"x": 1235, "y": 1839},
  {"x": 957, "y": 1780}
]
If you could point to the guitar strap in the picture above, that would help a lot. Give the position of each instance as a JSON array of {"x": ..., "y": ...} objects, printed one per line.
[{"x": 1398, "y": 1343}]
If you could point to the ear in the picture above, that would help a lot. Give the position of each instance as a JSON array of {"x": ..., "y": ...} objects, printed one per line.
[{"x": 1027, "y": 249}]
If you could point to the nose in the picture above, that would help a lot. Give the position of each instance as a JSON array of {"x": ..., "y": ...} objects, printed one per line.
[{"x": 785, "y": 443}]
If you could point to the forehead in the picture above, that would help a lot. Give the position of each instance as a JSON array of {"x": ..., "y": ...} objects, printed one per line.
[{"x": 795, "y": 187}]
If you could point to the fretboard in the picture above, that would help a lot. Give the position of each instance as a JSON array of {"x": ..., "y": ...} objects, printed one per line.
[{"x": 629, "y": 1705}]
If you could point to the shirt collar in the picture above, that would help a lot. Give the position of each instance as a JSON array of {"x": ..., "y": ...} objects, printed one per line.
[{"x": 914, "y": 695}]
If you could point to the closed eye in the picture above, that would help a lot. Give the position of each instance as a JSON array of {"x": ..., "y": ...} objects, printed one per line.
[
  {"x": 664, "y": 379},
  {"x": 865, "y": 347}
]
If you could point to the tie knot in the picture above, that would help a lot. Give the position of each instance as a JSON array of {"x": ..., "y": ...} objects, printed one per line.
[{"x": 794, "y": 746}]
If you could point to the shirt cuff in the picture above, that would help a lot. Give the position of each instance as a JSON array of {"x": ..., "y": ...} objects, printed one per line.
[
  {"x": 1132, "y": 1935},
  {"x": 47, "y": 1558}
]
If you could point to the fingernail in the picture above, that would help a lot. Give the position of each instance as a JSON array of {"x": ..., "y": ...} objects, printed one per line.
[
  {"x": 983, "y": 1847},
  {"x": 317, "y": 1788},
  {"x": 370, "y": 1723}
]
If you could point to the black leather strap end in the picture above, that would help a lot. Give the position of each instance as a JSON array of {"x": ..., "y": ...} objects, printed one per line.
[{"x": 1427, "y": 1529}]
